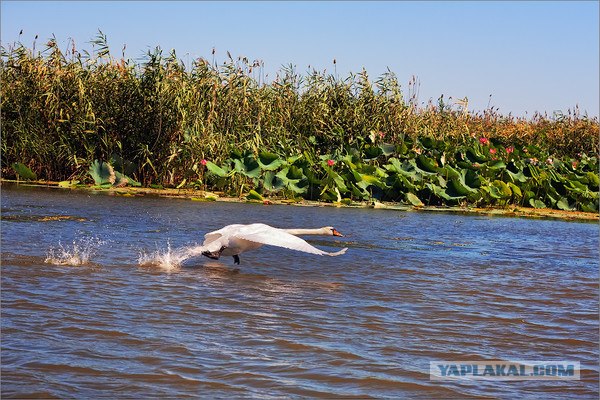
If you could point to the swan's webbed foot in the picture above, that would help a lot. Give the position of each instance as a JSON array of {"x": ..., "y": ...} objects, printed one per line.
[
  {"x": 236, "y": 259},
  {"x": 214, "y": 254}
]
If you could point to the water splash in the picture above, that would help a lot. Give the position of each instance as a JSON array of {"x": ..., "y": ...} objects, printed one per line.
[
  {"x": 169, "y": 259},
  {"x": 78, "y": 253}
]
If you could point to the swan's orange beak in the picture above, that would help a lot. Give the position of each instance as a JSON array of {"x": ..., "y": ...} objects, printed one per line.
[{"x": 336, "y": 233}]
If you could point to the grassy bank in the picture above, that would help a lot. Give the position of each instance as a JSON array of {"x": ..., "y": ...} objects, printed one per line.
[{"x": 316, "y": 136}]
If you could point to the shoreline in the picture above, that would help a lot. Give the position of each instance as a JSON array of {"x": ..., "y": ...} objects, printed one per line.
[{"x": 204, "y": 196}]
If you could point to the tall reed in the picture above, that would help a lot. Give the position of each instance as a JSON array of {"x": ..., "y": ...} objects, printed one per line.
[{"x": 62, "y": 109}]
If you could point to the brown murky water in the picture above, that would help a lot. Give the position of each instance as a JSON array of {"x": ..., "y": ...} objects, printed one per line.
[{"x": 412, "y": 288}]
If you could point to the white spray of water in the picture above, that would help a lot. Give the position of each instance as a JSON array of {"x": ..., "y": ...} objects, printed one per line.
[
  {"x": 78, "y": 253},
  {"x": 169, "y": 259}
]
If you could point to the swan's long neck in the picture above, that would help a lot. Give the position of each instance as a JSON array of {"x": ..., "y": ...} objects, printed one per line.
[{"x": 317, "y": 231}]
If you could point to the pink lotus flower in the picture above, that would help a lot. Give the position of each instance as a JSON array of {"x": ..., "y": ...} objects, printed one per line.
[
  {"x": 203, "y": 161},
  {"x": 574, "y": 164},
  {"x": 484, "y": 141},
  {"x": 549, "y": 161},
  {"x": 510, "y": 149},
  {"x": 492, "y": 151},
  {"x": 330, "y": 163}
]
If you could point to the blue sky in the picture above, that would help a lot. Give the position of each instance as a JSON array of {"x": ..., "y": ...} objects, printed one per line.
[{"x": 530, "y": 56}]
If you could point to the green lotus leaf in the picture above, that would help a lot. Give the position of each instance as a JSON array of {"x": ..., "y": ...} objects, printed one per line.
[
  {"x": 448, "y": 172},
  {"x": 339, "y": 181},
  {"x": 238, "y": 165},
  {"x": 365, "y": 180},
  {"x": 269, "y": 161},
  {"x": 554, "y": 175},
  {"x": 235, "y": 153},
  {"x": 357, "y": 192},
  {"x": 496, "y": 165},
  {"x": 528, "y": 195},
  {"x": 248, "y": 167},
  {"x": 563, "y": 204},
  {"x": 403, "y": 183},
  {"x": 328, "y": 194},
  {"x": 402, "y": 148},
  {"x": 474, "y": 155},
  {"x": 394, "y": 165},
  {"x": 24, "y": 172},
  {"x": 293, "y": 159},
  {"x": 410, "y": 170},
  {"x": 499, "y": 190},
  {"x": 431, "y": 143},
  {"x": 427, "y": 164},
  {"x": 298, "y": 187},
  {"x": 478, "y": 195},
  {"x": 414, "y": 200},
  {"x": 121, "y": 178},
  {"x": 441, "y": 181},
  {"x": 536, "y": 203},
  {"x": 515, "y": 189},
  {"x": 531, "y": 171},
  {"x": 272, "y": 183},
  {"x": 102, "y": 173},
  {"x": 551, "y": 191},
  {"x": 517, "y": 177},
  {"x": 460, "y": 187},
  {"x": 215, "y": 169},
  {"x": 590, "y": 207},
  {"x": 348, "y": 159},
  {"x": 313, "y": 179},
  {"x": 121, "y": 165},
  {"x": 295, "y": 172},
  {"x": 372, "y": 152},
  {"x": 387, "y": 149},
  {"x": 466, "y": 183},
  {"x": 551, "y": 200},
  {"x": 470, "y": 178},
  {"x": 447, "y": 194},
  {"x": 283, "y": 174},
  {"x": 593, "y": 180},
  {"x": 466, "y": 164},
  {"x": 576, "y": 186},
  {"x": 253, "y": 195},
  {"x": 332, "y": 183}
]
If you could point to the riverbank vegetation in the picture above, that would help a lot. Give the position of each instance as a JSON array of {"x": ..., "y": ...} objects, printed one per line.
[{"x": 221, "y": 126}]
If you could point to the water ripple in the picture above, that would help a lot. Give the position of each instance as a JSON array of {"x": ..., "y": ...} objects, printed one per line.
[{"x": 413, "y": 288}]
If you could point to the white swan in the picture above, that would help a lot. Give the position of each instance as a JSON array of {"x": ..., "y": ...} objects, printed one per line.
[{"x": 232, "y": 240}]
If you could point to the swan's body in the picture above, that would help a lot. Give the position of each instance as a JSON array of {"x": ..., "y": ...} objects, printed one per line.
[{"x": 233, "y": 240}]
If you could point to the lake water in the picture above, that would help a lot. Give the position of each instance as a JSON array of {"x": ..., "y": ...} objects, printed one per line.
[{"x": 412, "y": 288}]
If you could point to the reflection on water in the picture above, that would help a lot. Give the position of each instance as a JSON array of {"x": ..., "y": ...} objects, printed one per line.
[{"x": 412, "y": 288}]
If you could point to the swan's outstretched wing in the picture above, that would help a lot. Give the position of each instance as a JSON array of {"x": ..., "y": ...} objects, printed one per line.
[
  {"x": 267, "y": 235},
  {"x": 224, "y": 231}
]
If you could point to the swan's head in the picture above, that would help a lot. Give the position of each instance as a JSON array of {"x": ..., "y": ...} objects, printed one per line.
[{"x": 330, "y": 230}]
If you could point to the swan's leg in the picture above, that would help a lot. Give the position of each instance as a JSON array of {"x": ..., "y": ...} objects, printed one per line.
[
  {"x": 236, "y": 259},
  {"x": 214, "y": 254}
]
